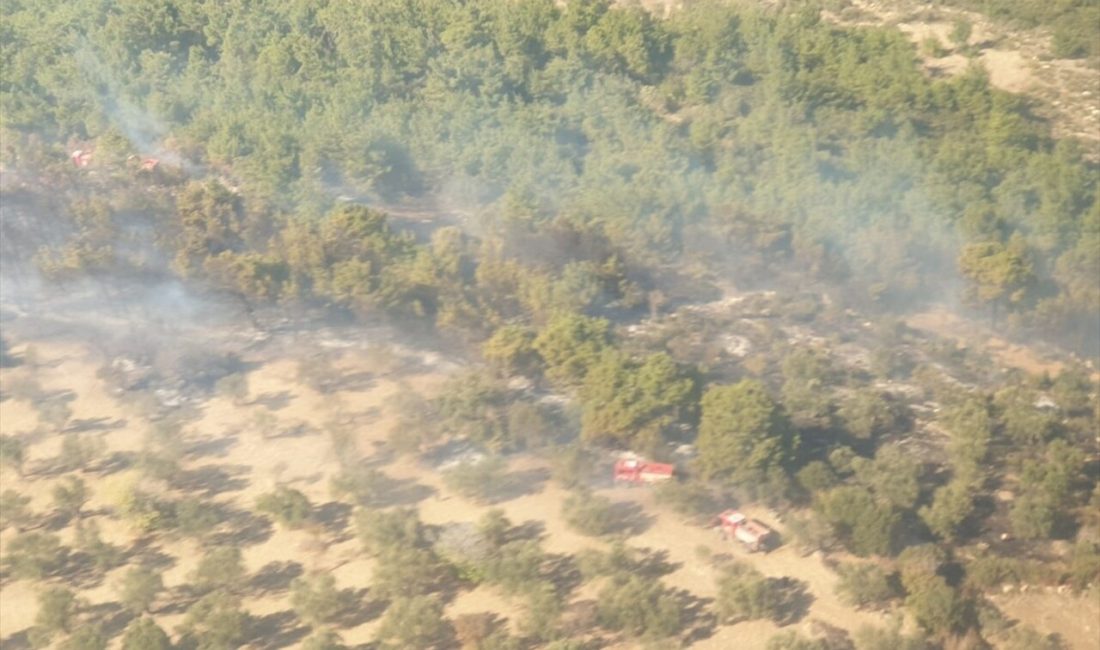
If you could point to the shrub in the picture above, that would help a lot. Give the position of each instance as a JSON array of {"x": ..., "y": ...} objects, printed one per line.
[
  {"x": 1026, "y": 638},
  {"x": 791, "y": 640},
  {"x": 79, "y": 450},
  {"x": 515, "y": 567},
  {"x": 867, "y": 526},
  {"x": 639, "y": 607},
  {"x": 494, "y": 527},
  {"x": 472, "y": 629},
  {"x": 220, "y": 568},
  {"x": 57, "y": 608},
  {"x": 323, "y": 640},
  {"x": 13, "y": 509},
  {"x": 1084, "y": 568},
  {"x": 364, "y": 486},
  {"x": 287, "y": 506},
  {"x": 215, "y": 622},
  {"x": 573, "y": 466},
  {"x": 12, "y": 453},
  {"x": 104, "y": 556},
  {"x": 871, "y": 638},
  {"x": 139, "y": 588},
  {"x": 194, "y": 518},
  {"x": 34, "y": 555},
  {"x": 408, "y": 572},
  {"x": 619, "y": 559},
  {"x": 991, "y": 571},
  {"x": 689, "y": 499},
  {"x": 816, "y": 477},
  {"x": 935, "y": 605},
  {"x": 85, "y": 637},
  {"x": 415, "y": 622},
  {"x": 479, "y": 480},
  {"x": 317, "y": 601},
  {"x": 865, "y": 586},
  {"x": 744, "y": 594},
  {"x": 143, "y": 634},
  {"x": 589, "y": 514},
  {"x": 381, "y": 530},
  {"x": 530, "y": 426},
  {"x": 542, "y": 614}
]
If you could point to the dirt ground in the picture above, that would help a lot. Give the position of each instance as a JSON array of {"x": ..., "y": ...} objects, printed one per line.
[
  {"x": 251, "y": 463},
  {"x": 1074, "y": 618},
  {"x": 946, "y": 324}
]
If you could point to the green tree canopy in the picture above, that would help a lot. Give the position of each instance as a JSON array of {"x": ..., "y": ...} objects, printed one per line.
[
  {"x": 630, "y": 402},
  {"x": 742, "y": 431}
]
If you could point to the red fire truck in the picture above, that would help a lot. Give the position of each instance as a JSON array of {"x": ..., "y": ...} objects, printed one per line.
[
  {"x": 638, "y": 471},
  {"x": 753, "y": 534}
]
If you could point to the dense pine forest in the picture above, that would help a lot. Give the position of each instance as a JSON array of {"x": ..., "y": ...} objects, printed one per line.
[
  {"x": 725, "y": 132},
  {"x": 566, "y": 196}
]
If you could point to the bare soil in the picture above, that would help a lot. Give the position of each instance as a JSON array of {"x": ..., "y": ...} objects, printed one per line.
[{"x": 947, "y": 324}]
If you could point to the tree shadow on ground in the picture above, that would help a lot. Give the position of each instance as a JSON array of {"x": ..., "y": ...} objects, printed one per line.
[
  {"x": 698, "y": 622},
  {"x": 653, "y": 563},
  {"x": 795, "y": 597},
  {"x": 143, "y": 552},
  {"x": 17, "y": 641},
  {"x": 520, "y": 484},
  {"x": 180, "y": 599},
  {"x": 629, "y": 518},
  {"x": 561, "y": 570},
  {"x": 115, "y": 462},
  {"x": 334, "y": 516},
  {"x": 112, "y": 616},
  {"x": 211, "y": 480},
  {"x": 274, "y": 577},
  {"x": 579, "y": 618},
  {"x": 273, "y": 401},
  {"x": 82, "y": 425},
  {"x": 297, "y": 430},
  {"x": 217, "y": 447},
  {"x": 834, "y": 637},
  {"x": 385, "y": 490},
  {"x": 367, "y": 609},
  {"x": 243, "y": 528},
  {"x": 404, "y": 492},
  {"x": 81, "y": 571},
  {"x": 277, "y": 630},
  {"x": 531, "y": 529}
]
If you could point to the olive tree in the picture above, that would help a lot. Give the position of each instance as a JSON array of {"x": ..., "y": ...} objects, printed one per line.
[
  {"x": 139, "y": 588},
  {"x": 588, "y": 513},
  {"x": 69, "y": 496},
  {"x": 221, "y": 568},
  {"x": 215, "y": 622},
  {"x": 414, "y": 623},
  {"x": 864, "y": 585},
  {"x": 287, "y": 506},
  {"x": 639, "y": 607},
  {"x": 316, "y": 599},
  {"x": 144, "y": 634},
  {"x": 34, "y": 555},
  {"x": 14, "y": 510}
]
